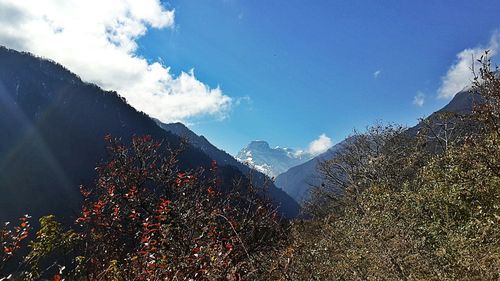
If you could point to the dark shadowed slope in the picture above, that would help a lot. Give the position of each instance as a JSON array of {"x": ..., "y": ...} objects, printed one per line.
[
  {"x": 52, "y": 127},
  {"x": 201, "y": 143}
]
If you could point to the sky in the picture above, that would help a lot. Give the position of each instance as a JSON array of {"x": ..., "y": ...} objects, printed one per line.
[{"x": 299, "y": 74}]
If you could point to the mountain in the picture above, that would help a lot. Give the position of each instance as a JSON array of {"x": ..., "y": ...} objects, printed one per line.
[
  {"x": 223, "y": 158},
  {"x": 462, "y": 103},
  {"x": 271, "y": 161},
  {"x": 52, "y": 126},
  {"x": 298, "y": 180}
]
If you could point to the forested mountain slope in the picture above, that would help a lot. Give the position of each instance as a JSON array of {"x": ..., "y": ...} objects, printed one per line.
[{"x": 52, "y": 126}]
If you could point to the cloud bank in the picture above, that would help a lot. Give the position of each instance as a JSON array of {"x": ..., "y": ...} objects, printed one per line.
[
  {"x": 98, "y": 41},
  {"x": 319, "y": 145},
  {"x": 459, "y": 75}
]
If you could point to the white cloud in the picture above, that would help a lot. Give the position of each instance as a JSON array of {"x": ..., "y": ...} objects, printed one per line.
[
  {"x": 377, "y": 73},
  {"x": 98, "y": 40},
  {"x": 320, "y": 145},
  {"x": 419, "y": 99},
  {"x": 459, "y": 75}
]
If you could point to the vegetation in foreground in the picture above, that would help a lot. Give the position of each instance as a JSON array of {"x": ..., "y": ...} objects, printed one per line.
[
  {"x": 393, "y": 206},
  {"x": 400, "y": 207}
]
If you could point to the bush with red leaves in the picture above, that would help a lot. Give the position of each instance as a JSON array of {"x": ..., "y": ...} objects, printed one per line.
[{"x": 146, "y": 220}]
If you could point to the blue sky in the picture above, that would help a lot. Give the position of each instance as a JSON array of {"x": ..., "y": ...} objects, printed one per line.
[
  {"x": 281, "y": 71},
  {"x": 307, "y": 67}
]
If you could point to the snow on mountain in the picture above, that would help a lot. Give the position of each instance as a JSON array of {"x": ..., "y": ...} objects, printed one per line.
[{"x": 271, "y": 161}]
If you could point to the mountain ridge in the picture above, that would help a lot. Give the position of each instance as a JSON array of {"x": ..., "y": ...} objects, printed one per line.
[
  {"x": 298, "y": 179},
  {"x": 53, "y": 125}
]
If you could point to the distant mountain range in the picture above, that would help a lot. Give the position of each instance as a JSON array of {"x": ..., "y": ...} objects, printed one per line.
[
  {"x": 271, "y": 161},
  {"x": 52, "y": 126},
  {"x": 297, "y": 181}
]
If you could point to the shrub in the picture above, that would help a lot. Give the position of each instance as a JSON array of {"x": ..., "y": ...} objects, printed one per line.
[
  {"x": 407, "y": 212},
  {"x": 146, "y": 220}
]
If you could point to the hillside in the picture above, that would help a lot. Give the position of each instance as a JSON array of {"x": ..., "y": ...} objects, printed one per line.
[
  {"x": 53, "y": 125},
  {"x": 298, "y": 180}
]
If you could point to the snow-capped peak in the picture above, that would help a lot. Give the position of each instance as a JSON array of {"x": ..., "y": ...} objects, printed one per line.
[{"x": 271, "y": 161}]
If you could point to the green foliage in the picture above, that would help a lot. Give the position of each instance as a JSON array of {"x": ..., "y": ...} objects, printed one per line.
[{"x": 50, "y": 244}]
